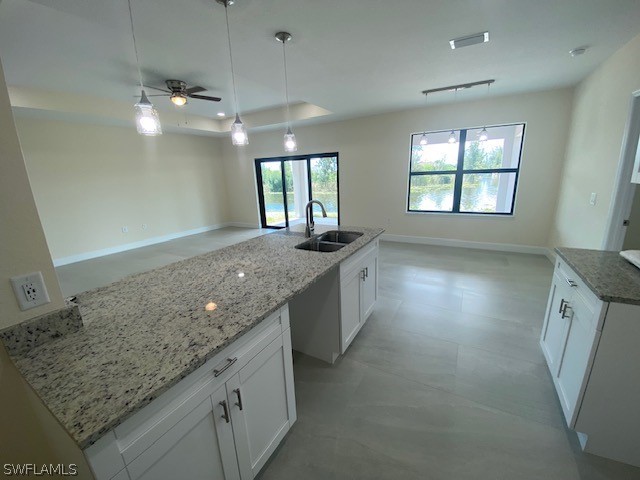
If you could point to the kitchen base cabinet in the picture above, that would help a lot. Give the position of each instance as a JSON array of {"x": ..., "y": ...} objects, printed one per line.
[
  {"x": 591, "y": 349},
  {"x": 221, "y": 422},
  {"x": 327, "y": 316},
  {"x": 358, "y": 293}
]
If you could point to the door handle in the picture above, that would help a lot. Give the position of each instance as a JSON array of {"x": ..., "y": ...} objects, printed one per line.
[
  {"x": 362, "y": 275},
  {"x": 562, "y": 303},
  {"x": 225, "y": 415},
  {"x": 366, "y": 272},
  {"x": 564, "y": 311},
  {"x": 239, "y": 402}
]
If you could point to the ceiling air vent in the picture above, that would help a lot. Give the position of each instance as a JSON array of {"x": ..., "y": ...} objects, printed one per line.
[{"x": 469, "y": 40}]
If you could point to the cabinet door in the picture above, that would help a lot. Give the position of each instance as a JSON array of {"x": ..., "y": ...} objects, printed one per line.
[
  {"x": 575, "y": 361},
  {"x": 555, "y": 328},
  {"x": 350, "y": 310},
  {"x": 369, "y": 287},
  {"x": 198, "y": 447},
  {"x": 260, "y": 397}
]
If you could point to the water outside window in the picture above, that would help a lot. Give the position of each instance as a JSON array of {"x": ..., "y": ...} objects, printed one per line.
[{"x": 479, "y": 176}]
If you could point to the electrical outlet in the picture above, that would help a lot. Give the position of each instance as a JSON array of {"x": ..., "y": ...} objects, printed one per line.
[
  {"x": 30, "y": 290},
  {"x": 593, "y": 198},
  {"x": 144, "y": 226},
  {"x": 125, "y": 229}
]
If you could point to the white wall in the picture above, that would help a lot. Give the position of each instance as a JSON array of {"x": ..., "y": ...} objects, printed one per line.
[
  {"x": 89, "y": 181},
  {"x": 374, "y": 155},
  {"x": 28, "y": 432},
  {"x": 601, "y": 108}
]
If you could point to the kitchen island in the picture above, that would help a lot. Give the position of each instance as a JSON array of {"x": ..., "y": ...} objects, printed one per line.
[
  {"x": 143, "y": 335},
  {"x": 590, "y": 341}
]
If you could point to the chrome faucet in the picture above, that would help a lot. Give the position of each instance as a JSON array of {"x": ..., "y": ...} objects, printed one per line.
[{"x": 309, "y": 211}]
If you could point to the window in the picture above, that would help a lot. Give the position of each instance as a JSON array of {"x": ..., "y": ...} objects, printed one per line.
[
  {"x": 468, "y": 175},
  {"x": 286, "y": 184}
]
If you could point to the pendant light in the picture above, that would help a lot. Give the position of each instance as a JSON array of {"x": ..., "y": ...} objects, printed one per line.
[
  {"x": 238, "y": 130},
  {"x": 452, "y": 137},
  {"x": 483, "y": 135},
  {"x": 423, "y": 139},
  {"x": 147, "y": 119},
  {"x": 290, "y": 144}
]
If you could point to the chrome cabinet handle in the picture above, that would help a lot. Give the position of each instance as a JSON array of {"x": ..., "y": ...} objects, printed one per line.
[
  {"x": 571, "y": 283},
  {"x": 564, "y": 311},
  {"x": 230, "y": 361},
  {"x": 362, "y": 275},
  {"x": 239, "y": 402},
  {"x": 225, "y": 415},
  {"x": 562, "y": 304},
  {"x": 366, "y": 272}
]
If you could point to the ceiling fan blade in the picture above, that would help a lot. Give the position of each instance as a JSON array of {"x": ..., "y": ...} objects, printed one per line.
[
  {"x": 191, "y": 90},
  {"x": 159, "y": 95},
  {"x": 204, "y": 97},
  {"x": 156, "y": 88}
]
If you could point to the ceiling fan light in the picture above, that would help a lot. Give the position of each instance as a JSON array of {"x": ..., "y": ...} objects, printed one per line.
[
  {"x": 147, "y": 119},
  {"x": 239, "y": 132},
  {"x": 178, "y": 99},
  {"x": 452, "y": 137},
  {"x": 290, "y": 144},
  {"x": 423, "y": 140}
]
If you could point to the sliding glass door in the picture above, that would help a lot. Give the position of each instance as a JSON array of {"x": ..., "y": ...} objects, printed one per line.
[{"x": 286, "y": 184}]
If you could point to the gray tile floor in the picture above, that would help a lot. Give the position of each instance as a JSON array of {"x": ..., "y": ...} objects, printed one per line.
[{"x": 445, "y": 381}]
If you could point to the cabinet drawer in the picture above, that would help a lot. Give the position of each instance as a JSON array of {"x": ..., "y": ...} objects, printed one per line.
[
  {"x": 588, "y": 299},
  {"x": 356, "y": 261}
]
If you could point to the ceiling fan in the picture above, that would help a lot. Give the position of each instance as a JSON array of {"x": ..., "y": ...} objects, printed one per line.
[{"x": 178, "y": 92}]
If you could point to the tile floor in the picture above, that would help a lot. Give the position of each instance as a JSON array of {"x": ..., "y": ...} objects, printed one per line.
[{"x": 445, "y": 381}]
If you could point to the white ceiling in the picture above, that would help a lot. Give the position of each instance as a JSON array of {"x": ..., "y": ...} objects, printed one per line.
[{"x": 351, "y": 57}]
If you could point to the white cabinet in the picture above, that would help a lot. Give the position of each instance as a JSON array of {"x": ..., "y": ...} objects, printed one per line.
[
  {"x": 591, "y": 348},
  {"x": 635, "y": 177},
  {"x": 358, "y": 292},
  {"x": 569, "y": 336},
  {"x": 223, "y": 421}
]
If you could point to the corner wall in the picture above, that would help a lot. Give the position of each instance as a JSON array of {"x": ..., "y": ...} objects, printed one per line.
[
  {"x": 89, "y": 181},
  {"x": 601, "y": 109},
  {"x": 374, "y": 156}
]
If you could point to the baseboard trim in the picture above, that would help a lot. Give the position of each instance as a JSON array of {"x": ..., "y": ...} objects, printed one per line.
[
  {"x": 142, "y": 243},
  {"x": 450, "y": 242},
  {"x": 242, "y": 225}
]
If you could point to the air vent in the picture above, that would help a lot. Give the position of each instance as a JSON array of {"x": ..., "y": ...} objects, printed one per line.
[{"x": 474, "y": 39}]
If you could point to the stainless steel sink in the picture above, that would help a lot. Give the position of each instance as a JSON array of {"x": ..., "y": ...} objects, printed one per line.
[
  {"x": 338, "y": 236},
  {"x": 315, "y": 245}
]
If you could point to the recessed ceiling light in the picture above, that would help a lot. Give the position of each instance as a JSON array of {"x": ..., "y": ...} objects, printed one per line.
[
  {"x": 220, "y": 114},
  {"x": 474, "y": 39},
  {"x": 576, "y": 52}
]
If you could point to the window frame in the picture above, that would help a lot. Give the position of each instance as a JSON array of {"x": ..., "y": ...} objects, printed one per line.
[
  {"x": 459, "y": 172},
  {"x": 304, "y": 157}
]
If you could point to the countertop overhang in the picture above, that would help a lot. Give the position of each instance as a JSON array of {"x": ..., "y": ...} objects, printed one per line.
[
  {"x": 609, "y": 276},
  {"x": 145, "y": 333}
]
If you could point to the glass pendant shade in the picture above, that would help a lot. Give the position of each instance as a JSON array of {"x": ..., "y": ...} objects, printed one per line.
[
  {"x": 290, "y": 144},
  {"x": 483, "y": 134},
  {"x": 239, "y": 132},
  {"x": 452, "y": 137},
  {"x": 147, "y": 119},
  {"x": 423, "y": 139}
]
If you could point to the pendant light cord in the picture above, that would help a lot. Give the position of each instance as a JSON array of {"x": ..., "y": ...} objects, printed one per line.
[
  {"x": 286, "y": 84},
  {"x": 135, "y": 48},
  {"x": 233, "y": 76}
]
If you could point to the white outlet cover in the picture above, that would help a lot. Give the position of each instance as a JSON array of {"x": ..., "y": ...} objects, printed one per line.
[{"x": 30, "y": 290}]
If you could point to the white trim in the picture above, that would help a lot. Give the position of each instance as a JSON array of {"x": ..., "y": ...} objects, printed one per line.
[
  {"x": 622, "y": 197},
  {"x": 142, "y": 243},
  {"x": 450, "y": 242}
]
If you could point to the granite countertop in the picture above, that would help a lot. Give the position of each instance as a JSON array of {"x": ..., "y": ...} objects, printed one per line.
[
  {"x": 145, "y": 333},
  {"x": 609, "y": 276}
]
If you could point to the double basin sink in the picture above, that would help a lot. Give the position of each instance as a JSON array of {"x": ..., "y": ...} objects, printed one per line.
[{"x": 329, "y": 241}]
